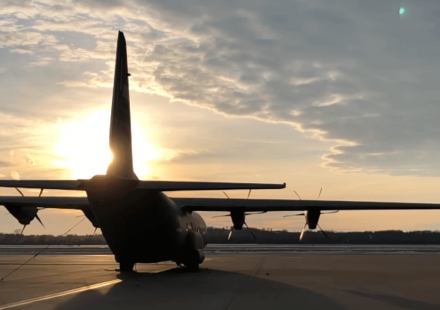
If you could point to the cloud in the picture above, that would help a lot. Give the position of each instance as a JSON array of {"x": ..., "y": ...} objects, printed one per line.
[
  {"x": 21, "y": 51},
  {"x": 353, "y": 72},
  {"x": 15, "y": 175}
]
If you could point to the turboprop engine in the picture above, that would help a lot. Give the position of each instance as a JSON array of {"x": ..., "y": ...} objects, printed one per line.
[
  {"x": 311, "y": 217},
  {"x": 23, "y": 215},
  {"x": 238, "y": 220}
]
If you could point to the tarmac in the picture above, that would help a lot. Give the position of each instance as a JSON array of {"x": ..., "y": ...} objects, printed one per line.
[{"x": 255, "y": 280}]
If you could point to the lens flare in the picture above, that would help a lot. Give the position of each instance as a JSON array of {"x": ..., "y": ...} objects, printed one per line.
[{"x": 402, "y": 11}]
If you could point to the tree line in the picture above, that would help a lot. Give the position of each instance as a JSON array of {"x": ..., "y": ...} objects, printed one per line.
[{"x": 263, "y": 236}]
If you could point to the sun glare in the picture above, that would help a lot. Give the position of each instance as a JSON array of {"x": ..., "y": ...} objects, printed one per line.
[{"x": 84, "y": 150}]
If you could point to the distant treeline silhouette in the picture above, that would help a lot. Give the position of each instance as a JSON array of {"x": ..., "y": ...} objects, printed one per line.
[{"x": 264, "y": 236}]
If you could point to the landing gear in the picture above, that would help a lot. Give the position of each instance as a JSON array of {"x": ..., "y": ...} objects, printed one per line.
[
  {"x": 192, "y": 259},
  {"x": 125, "y": 266},
  {"x": 193, "y": 266}
]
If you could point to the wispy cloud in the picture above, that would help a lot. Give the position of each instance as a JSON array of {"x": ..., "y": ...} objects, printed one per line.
[{"x": 353, "y": 73}]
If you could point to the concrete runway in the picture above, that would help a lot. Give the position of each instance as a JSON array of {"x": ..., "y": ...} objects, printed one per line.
[
  {"x": 306, "y": 249},
  {"x": 225, "y": 281}
]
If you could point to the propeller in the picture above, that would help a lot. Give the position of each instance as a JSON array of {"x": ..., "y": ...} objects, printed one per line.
[
  {"x": 253, "y": 235},
  {"x": 245, "y": 224},
  {"x": 39, "y": 220},
  {"x": 24, "y": 226},
  {"x": 230, "y": 234},
  {"x": 307, "y": 214},
  {"x": 36, "y": 215},
  {"x": 303, "y": 231},
  {"x": 323, "y": 231}
]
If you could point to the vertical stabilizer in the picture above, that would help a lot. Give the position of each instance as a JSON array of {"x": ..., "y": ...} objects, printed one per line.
[{"x": 120, "y": 125}]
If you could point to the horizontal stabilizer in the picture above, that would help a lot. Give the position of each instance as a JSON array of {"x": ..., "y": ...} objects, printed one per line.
[
  {"x": 203, "y": 186},
  {"x": 44, "y": 184}
]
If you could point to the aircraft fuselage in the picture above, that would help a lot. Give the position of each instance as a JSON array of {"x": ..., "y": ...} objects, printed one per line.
[{"x": 140, "y": 225}]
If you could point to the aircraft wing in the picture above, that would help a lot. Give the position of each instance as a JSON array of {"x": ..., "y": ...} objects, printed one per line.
[
  {"x": 45, "y": 184},
  {"x": 223, "y": 204},
  {"x": 268, "y": 205},
  {"x": 142, "y": 185},
  {"x": 77, "y": 203}
]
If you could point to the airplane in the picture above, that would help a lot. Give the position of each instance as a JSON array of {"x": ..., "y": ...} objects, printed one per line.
[{"x": 140, "y": 223}]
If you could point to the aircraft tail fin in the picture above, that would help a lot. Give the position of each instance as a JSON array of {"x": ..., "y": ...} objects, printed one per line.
[{"x": 120, "y": 125}]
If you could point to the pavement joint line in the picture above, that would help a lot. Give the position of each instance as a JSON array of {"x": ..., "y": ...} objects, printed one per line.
[{"x": 57, "y": 295}]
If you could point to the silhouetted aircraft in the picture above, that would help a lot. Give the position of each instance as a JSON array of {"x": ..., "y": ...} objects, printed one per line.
[{"x": 139, "y": 222}]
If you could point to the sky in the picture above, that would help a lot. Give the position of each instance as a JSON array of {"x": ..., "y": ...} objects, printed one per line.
[{"x": 340, "y": 95}]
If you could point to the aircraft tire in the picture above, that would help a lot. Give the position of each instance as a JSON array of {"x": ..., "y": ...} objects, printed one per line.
[
  {"x": 193, "y": 267},
  {"x": 192, "y": 260},
  {"x": 125, "y": 266}
]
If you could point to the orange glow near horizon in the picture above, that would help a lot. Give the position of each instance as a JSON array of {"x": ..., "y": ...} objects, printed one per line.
[{"x": 84, "y": 150}]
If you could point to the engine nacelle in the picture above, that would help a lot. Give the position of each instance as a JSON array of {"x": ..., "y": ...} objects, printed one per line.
[
  {"x": 91, "y": 217},
  {"x": 312, "y": 218},
  {"x": 23, "y": 215},
  {"x": 238, "y": 218}
]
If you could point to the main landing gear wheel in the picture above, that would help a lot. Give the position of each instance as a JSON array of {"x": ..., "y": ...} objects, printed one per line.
[
  {"x": 192, "y": 267},
  {"x": 192, "y": 260},
  {"x": 126, "y": 266}
]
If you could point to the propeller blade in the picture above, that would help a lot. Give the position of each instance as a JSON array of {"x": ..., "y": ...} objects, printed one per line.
[
  {"x": 220, "y": 215},
  {"x": 252, "y": 213},
  {"x": 19, "y": 192},
  {"x": 320, "y": 193},
  {"x": 226, "y": 195},
  {"x": 39, "y": 220},
  {"x": 41, "y": 192},
  {"x": 336, "y": 211},
  {"x": 323, "y": 231},
  {"x": 249, "y": 193},
  {"x": 303, "y": 232},
  {"x": 297, "y": 195},
  {"x": 253, "y": 235},
  {"x": 96, "y": 228},
  {"x": 24, "y": 226},
  {"x": 300, "y": 214},
  {"x": 230, "y": 235}
]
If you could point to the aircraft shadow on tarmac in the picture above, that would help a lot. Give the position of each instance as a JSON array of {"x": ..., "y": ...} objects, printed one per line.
[
  {"x": 398, "y": 301},
  {"x": 207, "y": 289}
]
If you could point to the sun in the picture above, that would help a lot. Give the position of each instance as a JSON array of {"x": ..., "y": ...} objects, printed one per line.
[{"x": 83, "y": 147}]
